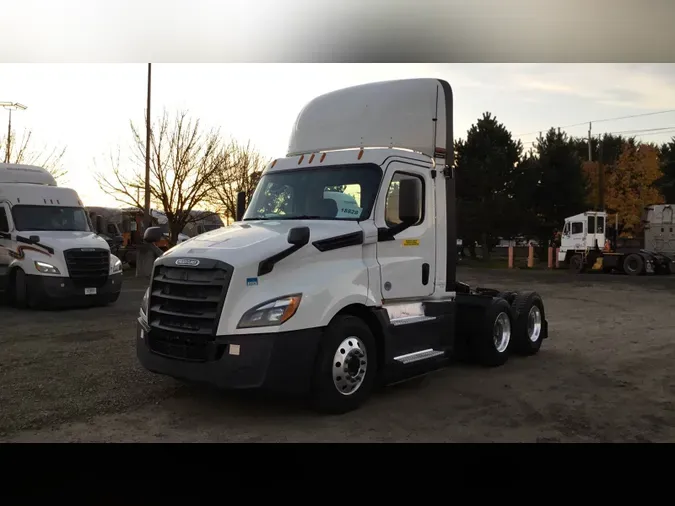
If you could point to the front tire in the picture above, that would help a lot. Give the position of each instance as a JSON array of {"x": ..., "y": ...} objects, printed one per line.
[
  {"x": 490, "y": 344},
  {"x": 576, "y": 264},
  {"x": 21, "y": 297},
  {"x": 346, "y": 366}
]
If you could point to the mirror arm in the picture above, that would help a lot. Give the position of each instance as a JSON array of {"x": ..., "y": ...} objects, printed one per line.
[{"x": 390, "y": 233}]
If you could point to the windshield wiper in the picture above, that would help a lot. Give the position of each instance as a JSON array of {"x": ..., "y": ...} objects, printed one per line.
[
  {"x": 299, "y": 217},
  {"x": 303, "y": 217}
]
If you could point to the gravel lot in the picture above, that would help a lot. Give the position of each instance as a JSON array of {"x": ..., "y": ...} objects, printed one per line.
[{"x": 605, "y": 375}]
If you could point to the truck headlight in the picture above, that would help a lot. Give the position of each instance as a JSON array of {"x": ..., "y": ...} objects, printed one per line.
[
  {"x": 115, "y": 265},
  {"x": 46, "y": 268},
  {"x": 144, "y": 304},
  {"x": 270, "y": 313}
]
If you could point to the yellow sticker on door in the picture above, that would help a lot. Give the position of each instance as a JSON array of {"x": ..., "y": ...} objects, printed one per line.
[{"x": 411, "y": 242}]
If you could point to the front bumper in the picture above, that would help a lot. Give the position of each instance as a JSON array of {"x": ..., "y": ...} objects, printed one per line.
[
  {"x": 64, "y": 292},
  {"x": 280, "y": 362}
]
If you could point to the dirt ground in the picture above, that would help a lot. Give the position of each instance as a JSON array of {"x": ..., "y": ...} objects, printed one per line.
[{"x": 606, "y": 374}]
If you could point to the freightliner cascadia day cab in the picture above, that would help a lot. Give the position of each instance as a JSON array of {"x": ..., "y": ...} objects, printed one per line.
[
  {"x": 331, "y": 295},
  {"x": 49, "y": 252}
]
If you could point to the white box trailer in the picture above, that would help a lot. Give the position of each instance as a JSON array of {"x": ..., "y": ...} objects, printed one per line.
[
  {"x": 49, "y": 251},
  {"x": 309, "y": 295}
]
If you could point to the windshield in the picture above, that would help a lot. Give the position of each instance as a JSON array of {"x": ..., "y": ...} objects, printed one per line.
[
  {"x": 55, "y": 218},
  {"x": 326, "y": 193}
]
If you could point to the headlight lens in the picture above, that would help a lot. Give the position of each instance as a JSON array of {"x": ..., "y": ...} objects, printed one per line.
[
  {"x": 46, "y": 268},
  {"x": 115, "y": 265},
  {"x": 271, "y": 313},
  {"x": 144, "y": 303}
]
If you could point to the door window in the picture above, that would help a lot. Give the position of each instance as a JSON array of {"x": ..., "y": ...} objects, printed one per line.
[
  {"x": 392, "y": 204},
  {"x": 577, "y": 228}
]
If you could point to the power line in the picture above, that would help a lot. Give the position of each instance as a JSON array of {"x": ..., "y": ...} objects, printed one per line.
[
  {"x": 639, "y": 132},
  {"x": 602, "y": 121}
]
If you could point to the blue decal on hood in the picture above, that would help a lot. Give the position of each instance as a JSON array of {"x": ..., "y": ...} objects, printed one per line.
[{"x": 251, "y": 281}]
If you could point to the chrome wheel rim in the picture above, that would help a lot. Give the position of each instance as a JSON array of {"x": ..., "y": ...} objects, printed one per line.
[
  {"x": 534, "y": 324},
  {"x": 501, "y": 332},
  {"x": 350, "y": 363}
]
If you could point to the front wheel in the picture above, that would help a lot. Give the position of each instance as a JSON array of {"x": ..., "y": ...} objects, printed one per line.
[
  {"x": 576, "y": 264},
  {"x": 23, "y": 297},
  {"x": 346, "y": 366}
]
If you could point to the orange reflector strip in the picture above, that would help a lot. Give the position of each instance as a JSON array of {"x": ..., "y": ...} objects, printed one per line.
[
  {"x": 302, "y": 157},
  {"x": 360, "y": 154},
  {"x": 311, "y": 158},
  {"x": 323, "y": 157}
]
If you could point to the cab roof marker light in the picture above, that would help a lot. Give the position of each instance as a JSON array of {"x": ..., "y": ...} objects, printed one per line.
[
  {"x": 323, "y": 157},
  {"x": 302, "y": 157},
  {"x": 273, "y": 164},
  {"x": 360, "y": 154},
  {"x": 311, "y": 158}
]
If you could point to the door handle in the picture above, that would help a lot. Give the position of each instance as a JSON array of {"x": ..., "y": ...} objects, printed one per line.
[{"x": 425, "y": 274}]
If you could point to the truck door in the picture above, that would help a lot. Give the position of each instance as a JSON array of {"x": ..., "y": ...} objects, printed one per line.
[
  {"x": 5, "y": 243},
  {"x": 407, "y": 263},
  {"x": 578, "y": 235}
]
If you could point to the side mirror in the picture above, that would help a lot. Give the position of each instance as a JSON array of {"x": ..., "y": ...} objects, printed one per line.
[
  {"x": 241, "y": 206},
  {"x": 410, "y": 200},
  {"x": 153, "y": 234},
  {"x": 99, "y": 224},
  {"x": 34, "y": 238},
  {"x": 298, "y": 236}
]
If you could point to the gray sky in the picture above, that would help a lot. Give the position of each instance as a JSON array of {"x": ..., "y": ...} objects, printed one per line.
[{"x": 87, "y": 107}]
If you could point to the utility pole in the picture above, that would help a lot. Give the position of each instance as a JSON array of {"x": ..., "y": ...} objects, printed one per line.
[
  {"x": 601, "y": 176},
  {"x": 590, "y": 150},
  {"x": 9, "y": 137},
  {"x": 10, "y": 106},
  {"x": 148, "y": 217},
  {"x": 145, "y": 255}
]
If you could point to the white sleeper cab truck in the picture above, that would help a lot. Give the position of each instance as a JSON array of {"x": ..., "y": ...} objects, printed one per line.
[
  {"x": 49, "y": 253},
  {"x": 340, "y": 276}
]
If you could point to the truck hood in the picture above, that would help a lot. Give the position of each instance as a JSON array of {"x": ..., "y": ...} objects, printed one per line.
[
  {"x": 63, "y": 240},
  {"x": 244, "y": 243}
]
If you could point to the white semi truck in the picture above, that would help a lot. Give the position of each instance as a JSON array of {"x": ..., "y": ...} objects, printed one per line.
[
  {"x": 50, "y": 253},
  {"x": 586, "y": 245},
  {"x": 329, "y": 297}
]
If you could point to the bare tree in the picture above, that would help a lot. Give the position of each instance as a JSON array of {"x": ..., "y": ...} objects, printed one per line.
[
  {"x": 240, "y": 170},
  {"x": 21, "y": 152},
  {"x": 183, "y": 161}
]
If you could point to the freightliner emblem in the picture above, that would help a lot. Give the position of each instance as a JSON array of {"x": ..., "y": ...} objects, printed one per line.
[{"x": 192, "y": 262}]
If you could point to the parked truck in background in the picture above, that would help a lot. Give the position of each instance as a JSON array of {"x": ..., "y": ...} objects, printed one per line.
[
  {"x": 50, "y": 253},
  {"x": 587, "y": 244},
  {"x": 329, "y": 295}
]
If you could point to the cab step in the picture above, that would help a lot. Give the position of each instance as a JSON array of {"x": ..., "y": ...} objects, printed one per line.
[{"x": 418, "y": 356}]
